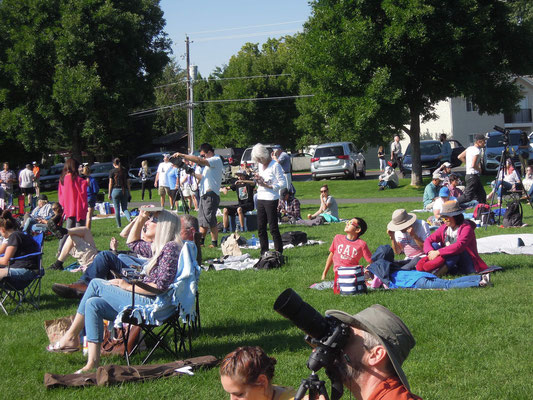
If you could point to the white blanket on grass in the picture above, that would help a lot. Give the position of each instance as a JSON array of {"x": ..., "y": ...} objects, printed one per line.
[{"x": 507, "y": 244}]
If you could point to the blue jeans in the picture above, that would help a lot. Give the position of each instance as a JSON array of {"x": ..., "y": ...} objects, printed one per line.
[
  {"x": 458, "y": 283},
  {"x": 102, "y": 265},
  {"x": 104, "y": 301},
  {"x": 387, "y": 184},
  {"x": 506, "y": 186},
  {"x": 120, "y": 199},
  {"x": 132, "y": 260},
  {"x": 28, "y": 224},
  {"x": 458, "y": 264}
]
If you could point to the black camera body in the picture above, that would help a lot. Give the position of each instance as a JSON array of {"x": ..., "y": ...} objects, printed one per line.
[
  {"x": 180, "y": 164},
  {"x": 505, "y": 133}
]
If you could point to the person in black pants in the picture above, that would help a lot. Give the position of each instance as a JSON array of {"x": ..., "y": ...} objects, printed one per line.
[
  {"x": 472, "y": 158},
  {"x": 270, "y": 180}
]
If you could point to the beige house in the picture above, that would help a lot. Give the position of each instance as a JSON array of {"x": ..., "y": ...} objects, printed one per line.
[{"x": 459, "y": 119}]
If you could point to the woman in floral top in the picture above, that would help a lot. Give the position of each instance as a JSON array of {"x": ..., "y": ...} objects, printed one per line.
[{"x": 104, "y": 299}]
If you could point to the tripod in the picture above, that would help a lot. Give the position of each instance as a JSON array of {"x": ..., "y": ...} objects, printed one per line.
[
  {"x": 179, "y": 195},
  {"x": 500, "y": 174}
]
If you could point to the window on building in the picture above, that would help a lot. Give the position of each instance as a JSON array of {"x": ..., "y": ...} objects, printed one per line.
[{"x": 470, "y": 105}]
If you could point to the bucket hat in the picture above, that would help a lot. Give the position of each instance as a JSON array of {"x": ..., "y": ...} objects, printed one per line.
[
  {"x": 401, "y": 220},
  {"x": 388, "y": 328},
  {"x": 451, "y": 209}
]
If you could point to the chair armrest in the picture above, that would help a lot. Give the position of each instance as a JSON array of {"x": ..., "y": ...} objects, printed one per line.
[{"x": 26, "y": 256}]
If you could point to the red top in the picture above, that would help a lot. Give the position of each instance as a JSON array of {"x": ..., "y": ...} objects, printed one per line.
[
  {"x": 72, "y": 195},
  {"x": 347, "y": 253},
  {"x": 392, "y": 389},
  {"x": 466, "y": 241}
]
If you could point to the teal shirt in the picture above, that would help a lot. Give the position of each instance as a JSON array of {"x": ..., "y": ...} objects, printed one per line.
[{"x": 430, "y": 192}]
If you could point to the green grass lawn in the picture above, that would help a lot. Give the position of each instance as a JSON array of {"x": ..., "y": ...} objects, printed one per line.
[{"x": 471, "y": 343}]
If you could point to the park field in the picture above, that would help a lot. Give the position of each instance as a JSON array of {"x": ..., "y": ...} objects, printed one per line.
[{"x": 471, "y": 343}]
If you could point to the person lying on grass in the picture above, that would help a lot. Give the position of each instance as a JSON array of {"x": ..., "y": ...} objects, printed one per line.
[
  {"x": 347, "y": 250},
  {"x": 247, "y": 372},
  {"x": 105, "y": 299},
  {"x": 452, "y": 248}
]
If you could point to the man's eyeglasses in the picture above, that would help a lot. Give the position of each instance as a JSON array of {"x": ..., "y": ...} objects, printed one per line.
[
  {"x": 202, "y": 155},
  {"x": 352, "y": 223}
]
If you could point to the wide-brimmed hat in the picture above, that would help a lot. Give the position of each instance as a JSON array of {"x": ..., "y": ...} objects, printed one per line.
[
  {"x": 388, "y": 328},
  {"x": 451, "y": 209},
  {"x": 401, "y": 220},
  {"x": 151, "y": 208}
]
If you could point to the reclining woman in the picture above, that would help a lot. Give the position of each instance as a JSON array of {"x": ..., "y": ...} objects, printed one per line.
[
  {"x": 246, "y": 373},
  {"x": 18, "y": 244},
  {"x": 105, "y": 299},
  {"x": 452, "y": 248}
]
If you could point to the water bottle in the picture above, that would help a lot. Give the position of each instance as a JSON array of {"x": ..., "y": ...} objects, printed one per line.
[{"x": 253, "y": 241}]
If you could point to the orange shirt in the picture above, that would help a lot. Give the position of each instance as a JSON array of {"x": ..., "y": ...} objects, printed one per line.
[
  {"x": 37, "y": 172},
  {"x": 392, "y": 389}
]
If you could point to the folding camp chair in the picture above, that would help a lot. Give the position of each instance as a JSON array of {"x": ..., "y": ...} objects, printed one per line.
[
  {"x": 174, "y": 310},
  {"x": 20, "y": 292}
]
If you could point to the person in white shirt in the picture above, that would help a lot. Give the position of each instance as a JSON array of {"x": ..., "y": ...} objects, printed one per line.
[
  {"x": 210, "y": 178},
  {"x": 472, "y": 158},
  {"x": 269, "y": 179},
  {"x": 407, "y": 235},
  {"x": 26, "y": 179},
  {"x": 506, "y": 181},
  {"x": 161, "y": 179},
  {"x": 396, "y": 151}
]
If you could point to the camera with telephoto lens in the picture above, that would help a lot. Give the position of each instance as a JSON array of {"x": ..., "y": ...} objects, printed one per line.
[
  {"x": 505, "y": 132},
  {"x": 180, "y": 164},
  {"x": 327, "y": 335}
]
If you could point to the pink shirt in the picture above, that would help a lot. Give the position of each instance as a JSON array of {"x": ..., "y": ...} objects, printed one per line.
[
  {"x": 72, "y": 195},
  {"x": 347, "y": 253}
]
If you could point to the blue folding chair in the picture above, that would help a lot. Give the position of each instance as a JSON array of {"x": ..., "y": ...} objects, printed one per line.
[{"x": 23, "y": 292}]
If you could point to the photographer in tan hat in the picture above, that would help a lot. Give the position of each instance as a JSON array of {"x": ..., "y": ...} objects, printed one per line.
[
  {"x": 407, "y": 235},
  {"x": 371, "y": 362}
]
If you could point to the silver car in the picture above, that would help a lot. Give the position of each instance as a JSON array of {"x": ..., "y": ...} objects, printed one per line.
[{"x": 337, "y": 159}]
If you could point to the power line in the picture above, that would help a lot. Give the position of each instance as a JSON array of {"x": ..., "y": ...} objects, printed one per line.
[
  {"x": 223, "y": 79},
  {"x": 244, "y": 35},
  {"x": 184, "y": 104},
  {"x": 246, "y": 27}
]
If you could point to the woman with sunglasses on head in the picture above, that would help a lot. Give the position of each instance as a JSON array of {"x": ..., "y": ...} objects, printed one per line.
[
  {"x": 452, "y": 248},
  {"x": 247, "y": 372},
  {"x": 347, "y": 250},
  {"x": 328, "y": 205},
  {"x": 105, "y": 299}
]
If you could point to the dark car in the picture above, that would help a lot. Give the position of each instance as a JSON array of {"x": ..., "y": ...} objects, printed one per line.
[
  {"x": 430, "y": 155},
  {"x": 50, "y": 177},
  {"x": 153, "y": 159},
  {"x": 100, "y": 172}
]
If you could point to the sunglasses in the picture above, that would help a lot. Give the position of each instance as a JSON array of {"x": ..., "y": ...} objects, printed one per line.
[
  {"x": 323, "y": 191},
  {"x": 354, "y": 224},
  {"x": 444, "y": 218},
  {"x": 153, "y": 219}
]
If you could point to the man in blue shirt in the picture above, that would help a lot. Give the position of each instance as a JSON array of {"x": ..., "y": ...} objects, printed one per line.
[
  {"x": 446, "y": 149},
  {"x": 431, "y": 192}
]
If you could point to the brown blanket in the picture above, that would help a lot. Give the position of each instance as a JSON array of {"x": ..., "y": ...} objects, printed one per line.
[{"x": 113, "y": 374}]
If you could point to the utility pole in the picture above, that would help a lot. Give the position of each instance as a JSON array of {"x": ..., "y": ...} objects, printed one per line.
[{"x": 190, "y": 132}]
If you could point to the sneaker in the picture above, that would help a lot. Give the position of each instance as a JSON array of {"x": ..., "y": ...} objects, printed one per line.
[
  {"x": 72, "y": 291},
  {"x": 485, "y": 280},
  {"x": 56, "y": 266}
]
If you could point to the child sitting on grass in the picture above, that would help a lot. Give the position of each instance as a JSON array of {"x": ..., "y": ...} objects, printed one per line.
[{"x": 347, "y": 250}]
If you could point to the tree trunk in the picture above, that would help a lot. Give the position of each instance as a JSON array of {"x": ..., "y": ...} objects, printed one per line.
[
  {"x": 76, "y": 145},
  {"x": 414, "y": 134}
]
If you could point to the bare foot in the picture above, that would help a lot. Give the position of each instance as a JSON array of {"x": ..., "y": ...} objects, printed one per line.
[{"x": 113, "y": 244}]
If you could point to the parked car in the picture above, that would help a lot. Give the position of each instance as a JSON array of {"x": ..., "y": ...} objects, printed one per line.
[
  {"x": 154, "y": 159},
  {"x": 301, "y": 161},
  {"x": 50, "y": 177},
  {"x": 492, "y": 153},
  {"x": 232, "y": 154},
  {"x": 430, "y": 155},
  {"x": 340, "y": 159},
  {"x": 247, "y": 155},
  {"x": 100, "y": 172}
]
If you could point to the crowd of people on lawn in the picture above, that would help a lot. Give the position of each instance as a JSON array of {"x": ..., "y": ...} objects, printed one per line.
[{"x": 370, "y": 363}]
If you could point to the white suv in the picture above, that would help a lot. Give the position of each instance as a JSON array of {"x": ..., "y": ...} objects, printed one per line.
[{"x": 337, "y": 159}]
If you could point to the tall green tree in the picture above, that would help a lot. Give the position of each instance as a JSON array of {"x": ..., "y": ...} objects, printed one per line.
[
  {"x": 72, "y": 70},
  {"x": 247, "y": 122},
  {"x": 377, "y": 67}
]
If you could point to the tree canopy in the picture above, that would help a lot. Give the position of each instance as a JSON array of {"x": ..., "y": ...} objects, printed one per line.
[
  {"x": 242, "y": 123},
  {"x": 72, "y": 70},
  {"x": 377, "y": 67}
]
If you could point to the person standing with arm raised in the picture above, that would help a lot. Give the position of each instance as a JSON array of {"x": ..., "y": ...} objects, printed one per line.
[{"x": 210, "y": 179}]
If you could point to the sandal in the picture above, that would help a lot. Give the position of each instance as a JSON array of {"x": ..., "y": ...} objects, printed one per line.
[{"x": 56, "y": 348}]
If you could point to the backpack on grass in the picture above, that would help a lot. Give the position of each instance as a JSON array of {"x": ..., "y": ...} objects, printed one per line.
[
  {"x": 483, "y": 213},
  {"x": 513, "y": 215},
  {"x": 270, "y": 260},
  {"x": 294, "y": 238}
]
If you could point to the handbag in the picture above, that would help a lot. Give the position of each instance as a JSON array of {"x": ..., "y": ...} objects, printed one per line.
[{"x": 114, "y": 344}]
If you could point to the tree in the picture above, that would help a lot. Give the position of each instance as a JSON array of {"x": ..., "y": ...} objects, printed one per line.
[
  {"x": 72, "y": 70},
  {"x": 377, "y": 67},
  {"x": 247, "y": 122}
]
